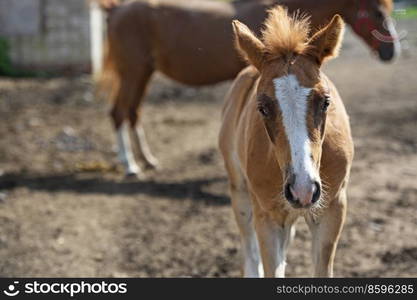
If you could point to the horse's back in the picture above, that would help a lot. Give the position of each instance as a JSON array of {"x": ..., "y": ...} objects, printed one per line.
[
  {"x": 193, "y": 42},
  {"x": 177, "y": 37}
]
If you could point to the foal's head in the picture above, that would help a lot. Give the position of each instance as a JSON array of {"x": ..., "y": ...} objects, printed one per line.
[{"x": 293, "y": 95}]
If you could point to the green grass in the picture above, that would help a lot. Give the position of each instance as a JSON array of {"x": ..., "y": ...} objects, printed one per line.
[
  {"x": 5, "y": 63},
  {"x": 6, "y": 67},
  {"x": 408, "y": 13}
]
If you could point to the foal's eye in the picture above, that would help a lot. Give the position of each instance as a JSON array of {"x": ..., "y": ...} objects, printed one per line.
[
  {"x": 263, "y": 110},
  {"x": 265, "y": 106},
  {"x": 326, "y": 103}
]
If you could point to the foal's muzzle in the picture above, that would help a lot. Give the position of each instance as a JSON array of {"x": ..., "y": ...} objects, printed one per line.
[{"x": 302, "y": 196}]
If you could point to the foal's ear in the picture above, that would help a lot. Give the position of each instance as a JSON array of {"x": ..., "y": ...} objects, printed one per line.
[
  {"x": 326, "y": 43},
  {"x": 248, "y": 45}
]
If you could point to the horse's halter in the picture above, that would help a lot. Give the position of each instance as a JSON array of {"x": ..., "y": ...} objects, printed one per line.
[{"x": 365, "y": 23}]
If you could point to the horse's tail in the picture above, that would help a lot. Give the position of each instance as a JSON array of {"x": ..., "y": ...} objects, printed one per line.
[
  {"x": 108, "y": 79},
  {"x": 107, "y": 5}
]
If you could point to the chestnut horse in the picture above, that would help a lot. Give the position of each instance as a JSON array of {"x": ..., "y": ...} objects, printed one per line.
[
  {"x": 286, "y": 142},
  {"x": 191, "y": 42}
]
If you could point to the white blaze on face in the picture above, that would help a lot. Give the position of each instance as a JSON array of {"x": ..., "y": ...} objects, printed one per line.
[{"x": 293, "y": 102}]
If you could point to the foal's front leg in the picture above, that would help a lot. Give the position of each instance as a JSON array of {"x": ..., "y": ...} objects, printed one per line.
[
  {"x": 242, "y": 209},
  {"x": 326, "y": 233},
  {"x": 273, "y": 243}
]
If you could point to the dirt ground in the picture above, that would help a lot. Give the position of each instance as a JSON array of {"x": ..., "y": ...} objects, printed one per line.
[{"x": 66, "y": 210}]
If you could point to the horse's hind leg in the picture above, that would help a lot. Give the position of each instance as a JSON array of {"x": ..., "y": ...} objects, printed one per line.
[
  {"x": 135, "y": 111},
  {"x": 119, "y": 114},
  {"x": 143, "y": 147}
]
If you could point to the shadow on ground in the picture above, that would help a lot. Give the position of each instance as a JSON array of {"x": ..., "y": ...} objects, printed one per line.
[{"x": 94, "y": 184}]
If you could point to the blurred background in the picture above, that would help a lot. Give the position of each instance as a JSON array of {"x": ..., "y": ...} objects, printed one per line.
[{"x": 66, "y": 210}]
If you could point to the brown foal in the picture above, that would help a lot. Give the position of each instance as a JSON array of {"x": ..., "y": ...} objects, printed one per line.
[{"x": 286, "y": 143}]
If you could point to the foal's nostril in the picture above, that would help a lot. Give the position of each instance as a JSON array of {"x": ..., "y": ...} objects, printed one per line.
[
  {"x": 288, "y": 194},
  {"x": 317, "y": 192}
]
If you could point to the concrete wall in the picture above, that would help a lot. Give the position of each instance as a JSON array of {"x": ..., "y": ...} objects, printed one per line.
[{"x": 52, "y": 35}]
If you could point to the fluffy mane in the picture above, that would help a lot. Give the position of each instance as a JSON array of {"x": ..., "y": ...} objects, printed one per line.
[{"x": 284, "y": 33}]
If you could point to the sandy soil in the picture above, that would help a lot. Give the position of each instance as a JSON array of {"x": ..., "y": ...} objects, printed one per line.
[{"x": 65, "y": 209}]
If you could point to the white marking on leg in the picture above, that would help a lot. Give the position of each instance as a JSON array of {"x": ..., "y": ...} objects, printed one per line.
[
  {"x": 242, "y": 208},
  {"x": 292, "y": 100},
  {"x": 144, "y": 147},
  {"x": 252, "y": 263},
  {"x": 125, "y": 150},
  {"x": 260, "y": 269},
  {"x": 276, "y": 239},
  {"x": 284, "y": 238}
]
